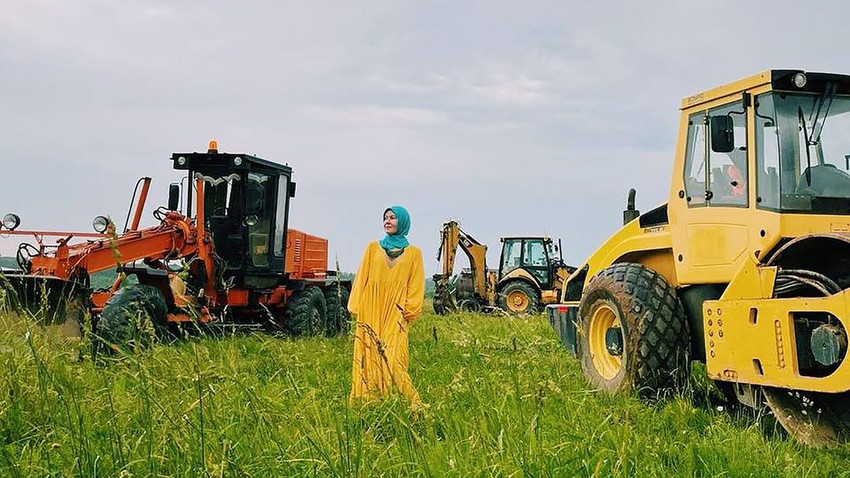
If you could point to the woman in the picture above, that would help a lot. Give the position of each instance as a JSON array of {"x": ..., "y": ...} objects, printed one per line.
[{"x": 386, "y": 297}]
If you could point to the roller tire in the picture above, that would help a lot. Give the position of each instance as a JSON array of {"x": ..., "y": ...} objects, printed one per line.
[
  {"x": 338, "y": 317},
  {"x": 134, "y": 315},
  {"x": 655, "y": 357},
  {"x": 306, "y": 313},
  {"x": 512, "y": 290}
]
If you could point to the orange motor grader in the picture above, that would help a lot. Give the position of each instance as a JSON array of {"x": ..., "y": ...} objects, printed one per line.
[{"x": 229, "y": 260}]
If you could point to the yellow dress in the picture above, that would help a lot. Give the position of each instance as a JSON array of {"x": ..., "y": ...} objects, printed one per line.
[{"x": 385, "y": 298}]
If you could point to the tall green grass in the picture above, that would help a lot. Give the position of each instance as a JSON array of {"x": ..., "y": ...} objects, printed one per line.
[{"x": 505, "y": 400}]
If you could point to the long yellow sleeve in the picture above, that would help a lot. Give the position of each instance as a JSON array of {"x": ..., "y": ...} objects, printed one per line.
[
  {"x": 360, "y": 281},
  {"x": 415, "y": 289}
]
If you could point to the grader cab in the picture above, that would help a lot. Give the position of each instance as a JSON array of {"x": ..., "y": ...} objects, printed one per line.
[
  {"x": 230, "y": 260},
  {"x": 747, "y": 265}
]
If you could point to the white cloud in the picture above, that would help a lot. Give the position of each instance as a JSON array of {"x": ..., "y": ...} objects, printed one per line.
[
  {"x": 371, "y": 115},
  {"x": 518, "y": 91},
  {"x": 443, "y": 106}
]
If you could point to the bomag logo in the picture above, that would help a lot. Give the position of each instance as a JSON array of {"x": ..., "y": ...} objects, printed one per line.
[{"x": 694, "y": 98}]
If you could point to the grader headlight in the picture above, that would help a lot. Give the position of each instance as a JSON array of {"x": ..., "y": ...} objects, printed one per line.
[
  {"x": 11, "y": 221},
  {"x": 799, "y": 79},
  {"x": 100, "y": 224}
]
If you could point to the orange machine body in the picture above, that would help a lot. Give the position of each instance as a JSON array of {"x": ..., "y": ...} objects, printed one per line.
[
  {"x": 306, "y": 255},
  {"x": 207, "y": 284}
]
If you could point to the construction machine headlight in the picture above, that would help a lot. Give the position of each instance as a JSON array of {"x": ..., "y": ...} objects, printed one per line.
[
  {"x": 237, "y": 161},
  {"x": 100, "y": 224},
  {"x": 181, "y": 160},
  {"x": 11, "y": 221},
  {"x": 251, "y": 220},
  {"x": 799, "y": 79}
]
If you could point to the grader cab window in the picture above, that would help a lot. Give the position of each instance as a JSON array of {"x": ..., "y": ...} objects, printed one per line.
[
  {"x": 259, "y": 211},
  {"x": 222, "y": 208},
  {"x": 280, "y": 217},
  {"x": 218, "y": 194}
]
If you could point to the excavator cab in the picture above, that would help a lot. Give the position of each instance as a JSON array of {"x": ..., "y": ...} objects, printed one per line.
[
  {"x": 245, "y": 208},
  {"x": 530, "y": 273},
  {"x": 531, "y": 254}
]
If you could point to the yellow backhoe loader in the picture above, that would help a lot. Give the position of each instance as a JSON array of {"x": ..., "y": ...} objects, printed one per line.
[
  {"x": 747, "y": 265},
  {"x": 529, "y": 276}
]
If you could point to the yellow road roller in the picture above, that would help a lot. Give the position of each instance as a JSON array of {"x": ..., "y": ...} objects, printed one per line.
[{"x": 746, "y": 267}]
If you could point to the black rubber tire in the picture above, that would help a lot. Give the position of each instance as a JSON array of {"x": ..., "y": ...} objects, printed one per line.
[
  {"x": 338, "y": 317},
  {"x": 470, "y": 305},
  {"x": 135, "y": 315},
  {"x": 533, "y": 298},
  {"x": 655, "y": 359},
  {"x": 306, "y": 312}
]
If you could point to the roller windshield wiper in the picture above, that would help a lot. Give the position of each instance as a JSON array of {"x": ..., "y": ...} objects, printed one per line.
[
  {"x": 801, "y": 118},
  {"x": 824, "y": 99}
]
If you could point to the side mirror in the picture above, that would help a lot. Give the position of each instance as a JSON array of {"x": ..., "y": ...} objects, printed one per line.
[
  {"x": 173, "y": 196},
  {"x": 722, "y": 134},
  {"x": 291, "y": 190}
]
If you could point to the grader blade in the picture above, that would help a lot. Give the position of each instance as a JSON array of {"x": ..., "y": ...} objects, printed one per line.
[
  {"x": 49, "y": 301},
  {"x": 815, "y": 419}
]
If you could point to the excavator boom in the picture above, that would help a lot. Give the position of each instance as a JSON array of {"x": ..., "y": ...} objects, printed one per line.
[{"x": 452, "y": 237}]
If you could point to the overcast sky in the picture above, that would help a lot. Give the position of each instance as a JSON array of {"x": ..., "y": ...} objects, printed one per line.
[{"x": 511, "y": 117}]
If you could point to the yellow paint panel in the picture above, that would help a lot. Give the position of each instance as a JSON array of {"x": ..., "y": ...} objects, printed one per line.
[
  {"x": 752, "y": 341},
  {"x": 661, "y": 261},
  {"x": 518, "y": 273},
  {"x": 751, "y": 282},
  {"x": 715, "y": 244}
]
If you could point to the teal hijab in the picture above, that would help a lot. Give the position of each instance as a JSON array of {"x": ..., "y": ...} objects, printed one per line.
[{"x": 399, "y": 239}]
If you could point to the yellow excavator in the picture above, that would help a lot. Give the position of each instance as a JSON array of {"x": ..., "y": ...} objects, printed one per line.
[
  {"x": 529, "y": 276},
  {"x": 746, "y": 267}
]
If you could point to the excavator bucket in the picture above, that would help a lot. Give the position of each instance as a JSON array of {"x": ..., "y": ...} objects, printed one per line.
[{"x": 443, "y": 300}]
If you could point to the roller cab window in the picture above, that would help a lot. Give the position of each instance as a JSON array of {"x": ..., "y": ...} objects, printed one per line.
[
  {"x": 803, "y": 152},
  {"x": 716, "y": 156}
]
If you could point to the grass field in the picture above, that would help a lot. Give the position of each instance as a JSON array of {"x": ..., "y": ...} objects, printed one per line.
[{"x": 505, "y": 400}]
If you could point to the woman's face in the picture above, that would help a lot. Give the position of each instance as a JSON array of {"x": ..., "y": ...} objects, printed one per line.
[{"x": 390, "y": 223}]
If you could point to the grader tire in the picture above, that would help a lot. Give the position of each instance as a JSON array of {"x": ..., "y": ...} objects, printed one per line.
[
  {"x": 336, "y": 303},
  {"x": 135, "y": 315},
  {"x": 306, "y": 313},
  {"x": 652, "y": 355},
  {"x": 518, "y": 297}
]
